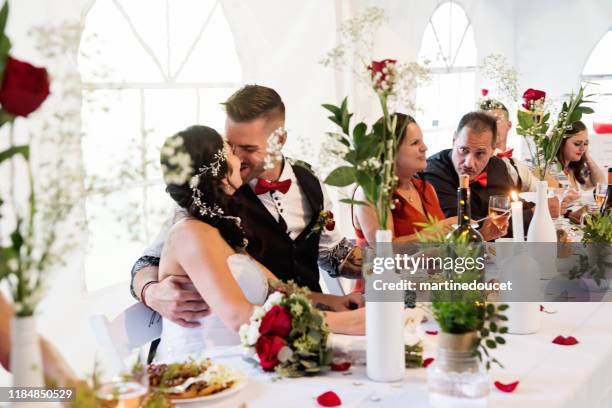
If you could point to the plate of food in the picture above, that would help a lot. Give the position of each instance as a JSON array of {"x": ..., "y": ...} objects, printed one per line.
[{"x": 195, "y": 381}]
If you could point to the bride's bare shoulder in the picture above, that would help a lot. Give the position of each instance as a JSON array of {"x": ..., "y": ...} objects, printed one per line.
[{"x": 193, "y": 229}]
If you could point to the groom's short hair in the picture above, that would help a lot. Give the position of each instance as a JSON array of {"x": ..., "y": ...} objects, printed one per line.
[{"x": 253, "y": 102}]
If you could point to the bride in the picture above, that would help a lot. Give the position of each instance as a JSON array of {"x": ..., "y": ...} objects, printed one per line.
[{"x": 207, "y": 245}]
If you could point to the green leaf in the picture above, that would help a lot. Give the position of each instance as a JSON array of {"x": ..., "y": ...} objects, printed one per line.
[
  {"x": 341, "y": 177},
  {"x": 23, "y": 150},
  {"x": 351, "y": 201},
  {"x": 493, "y": 327},
  {"x": 367, "y": 183},
  {"x": 503, "y": 307},
  {"x": 500, "y": 340},
  {"x": 359, "y": 132},
  {"x": 484, "y": 332},
  {"x": 503, "y": 330},
  {"x": 491, "y": 344},
  {"x": 332, "y": 108},
  {"x": 4, "y": 16},
  {"x": 490, "y": 309}
]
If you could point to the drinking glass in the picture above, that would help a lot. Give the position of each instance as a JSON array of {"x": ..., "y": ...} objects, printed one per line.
[
  {"x": 499, "y": 206},
  {"x": 600, "y": 193},
  {"x": 128, "y": 388}
]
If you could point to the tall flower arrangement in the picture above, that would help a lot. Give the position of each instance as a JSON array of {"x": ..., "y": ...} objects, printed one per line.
[
  {"x": 367, "y": 153},
  {"x": 533, "y": 124},
  {"x": 24, "y": 257}
]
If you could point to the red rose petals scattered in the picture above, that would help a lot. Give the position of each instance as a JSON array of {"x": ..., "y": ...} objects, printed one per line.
[
  {"x": 484, "y": 92},
  {"x": 329, "y": 399},
  {"x": 340, "y": 365},
  {"x": 506, "y": 387},
  {"x": 427, "y": 362},
  {"x": 431, "y": 332},
  {"x": 541, "y": 308},
  {"x": 565, "y": 341}
]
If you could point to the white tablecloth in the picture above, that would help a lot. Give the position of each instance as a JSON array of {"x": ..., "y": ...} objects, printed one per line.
[{"x": 550, "y": 375}]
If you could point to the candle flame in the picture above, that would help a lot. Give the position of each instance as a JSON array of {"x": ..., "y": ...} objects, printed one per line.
[{"x": 514, "y": 196}]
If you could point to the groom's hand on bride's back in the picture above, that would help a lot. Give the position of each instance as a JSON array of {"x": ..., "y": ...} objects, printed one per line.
[{"x": 182, "y": 306}]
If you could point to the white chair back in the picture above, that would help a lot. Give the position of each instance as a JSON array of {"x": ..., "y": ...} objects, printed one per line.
[
  {"x": 133, "y": 328},
  {"x": 333, "y": 285}
]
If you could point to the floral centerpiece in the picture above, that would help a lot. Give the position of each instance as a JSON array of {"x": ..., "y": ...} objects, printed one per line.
[
  {"x": 287, "y": 335},
  {"x": 533, "y": 125}
]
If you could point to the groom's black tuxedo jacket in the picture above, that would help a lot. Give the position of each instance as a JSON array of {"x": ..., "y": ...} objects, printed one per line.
[
  {"x": 288, "y": 259},
  {"x": 440, "y": 172}
]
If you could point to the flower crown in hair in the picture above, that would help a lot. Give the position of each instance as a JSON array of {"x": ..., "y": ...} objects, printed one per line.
[{"x": 488, "y": 104}]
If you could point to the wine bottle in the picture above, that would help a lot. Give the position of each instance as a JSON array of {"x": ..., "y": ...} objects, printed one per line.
[
  {"x": 607, "y": 203},
  {"x": 464, "y": 231}
]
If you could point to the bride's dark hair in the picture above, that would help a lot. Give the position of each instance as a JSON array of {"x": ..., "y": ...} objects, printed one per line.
[{"x": 182, "y": 157}]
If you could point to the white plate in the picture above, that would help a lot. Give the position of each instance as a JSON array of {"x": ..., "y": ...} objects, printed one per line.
[
  {"x": 238, "y": 386},
  {"x": 530, "y": 196}
]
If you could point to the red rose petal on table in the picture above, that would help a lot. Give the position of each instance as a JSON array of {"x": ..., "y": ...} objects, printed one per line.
[
  {"x": 484, "y": 92},
  {"x": 427, "y": 361},
  {"x": 340, "y": 366},
  {"x": 541, "y": 308},
  {"x": 506, "y": 387},
  {"x": 329, "y": 399},
  {"x": 565, "y": 341},
  {"x": 431, "y": 332}
]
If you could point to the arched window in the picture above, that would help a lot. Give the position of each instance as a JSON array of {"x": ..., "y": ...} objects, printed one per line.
[
  {"x": 149, "y": 69},
  {"x": 598, "y": 70},
  {"x": 448, "y": 44}
]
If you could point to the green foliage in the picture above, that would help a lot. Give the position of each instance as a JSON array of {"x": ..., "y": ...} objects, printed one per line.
[
  {"x": 413, "y": 355},
  {"x": 535, "y": 127},
  {"x": 598, "y": 229},
  {"x": 370, "y": 156},
  {"x": 460, "y": 312}
]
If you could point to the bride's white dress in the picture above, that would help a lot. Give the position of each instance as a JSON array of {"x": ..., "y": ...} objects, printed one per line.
[{"x": 180, "y": 343}]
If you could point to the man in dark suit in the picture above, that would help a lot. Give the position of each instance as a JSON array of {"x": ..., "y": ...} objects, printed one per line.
[{"x": 472, "y": 154}]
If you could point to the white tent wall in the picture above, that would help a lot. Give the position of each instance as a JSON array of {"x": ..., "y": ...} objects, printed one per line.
[{"x": 279, "y": 43}]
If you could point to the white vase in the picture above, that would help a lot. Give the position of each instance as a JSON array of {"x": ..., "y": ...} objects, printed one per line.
[
  {"x": 26, "y": 358},
  {"x": 542, "y": 228},
  {"x": 542, "y": 232},
  {"x": 524, "y": 316},
  {"x": 385, "y": 358}
]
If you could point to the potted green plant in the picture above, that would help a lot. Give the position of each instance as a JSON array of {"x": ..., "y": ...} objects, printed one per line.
[{"x": 597, "y": 239}]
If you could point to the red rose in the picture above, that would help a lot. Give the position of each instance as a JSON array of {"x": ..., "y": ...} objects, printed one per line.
[
  {"x": 277, "y": 321},
  {"x": 484, "y": 92},
  {"x": 378, "y": 75},
  {"x": 24, "y": 87},
  {"x": 330, "y": 225},
  {"x": 267, "y": 349},
  {"x": 531, "y": 96}
]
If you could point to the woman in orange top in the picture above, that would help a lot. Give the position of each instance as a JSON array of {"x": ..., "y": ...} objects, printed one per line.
[{"x": 415, "y": 198}]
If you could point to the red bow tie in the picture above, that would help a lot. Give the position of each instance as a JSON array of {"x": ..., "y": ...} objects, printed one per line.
[
  {"x": 263, "y": 186},
  {"x": 481, "y": 179},
  {"x": 507, "y": 153}
]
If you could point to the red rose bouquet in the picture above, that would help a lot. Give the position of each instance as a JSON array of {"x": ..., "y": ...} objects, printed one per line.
[{"x": 287, "y": 335}]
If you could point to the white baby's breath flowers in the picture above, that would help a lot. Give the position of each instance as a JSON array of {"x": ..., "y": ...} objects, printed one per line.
[
  {"x": 273, "y": 300},
  {"x": 273, "y": 148},
  {"x": 179, "y": 168}
]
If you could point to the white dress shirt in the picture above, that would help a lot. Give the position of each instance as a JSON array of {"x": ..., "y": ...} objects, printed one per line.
[
  {"x": 528, "y": 180},
  {"x": 295, "y": 209}
]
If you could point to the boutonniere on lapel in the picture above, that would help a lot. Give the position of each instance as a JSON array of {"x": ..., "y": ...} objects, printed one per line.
[{"x": 325, "y": 220}]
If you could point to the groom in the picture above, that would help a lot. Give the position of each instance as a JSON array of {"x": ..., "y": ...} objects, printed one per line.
[{"x": 281, "y": 206}]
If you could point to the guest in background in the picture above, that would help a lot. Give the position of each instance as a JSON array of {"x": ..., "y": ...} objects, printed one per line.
[
  {"x": 472, "y": 154},
  {"x": 55, "y": 368},
  {"x": 415, "y": 198},
  {"x": 577, "y": 164},
  {"x": 522, "y": 177}
]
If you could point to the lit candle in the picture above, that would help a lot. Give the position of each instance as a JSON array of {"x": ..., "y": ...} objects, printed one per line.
[{"x": 517, "y": 218}]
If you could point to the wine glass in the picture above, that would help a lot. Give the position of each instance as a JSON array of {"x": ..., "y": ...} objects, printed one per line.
[
  {"x": 499, "y": 205},
  {"x": 128, "y": 387},
  {"x": 600, "y": 193}
]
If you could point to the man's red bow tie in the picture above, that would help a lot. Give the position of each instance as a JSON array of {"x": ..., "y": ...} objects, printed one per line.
[
  {"x": 263, "y": 186},
  {"x": 481, "y": 179},
  {"x": 507, "y": 153}
]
